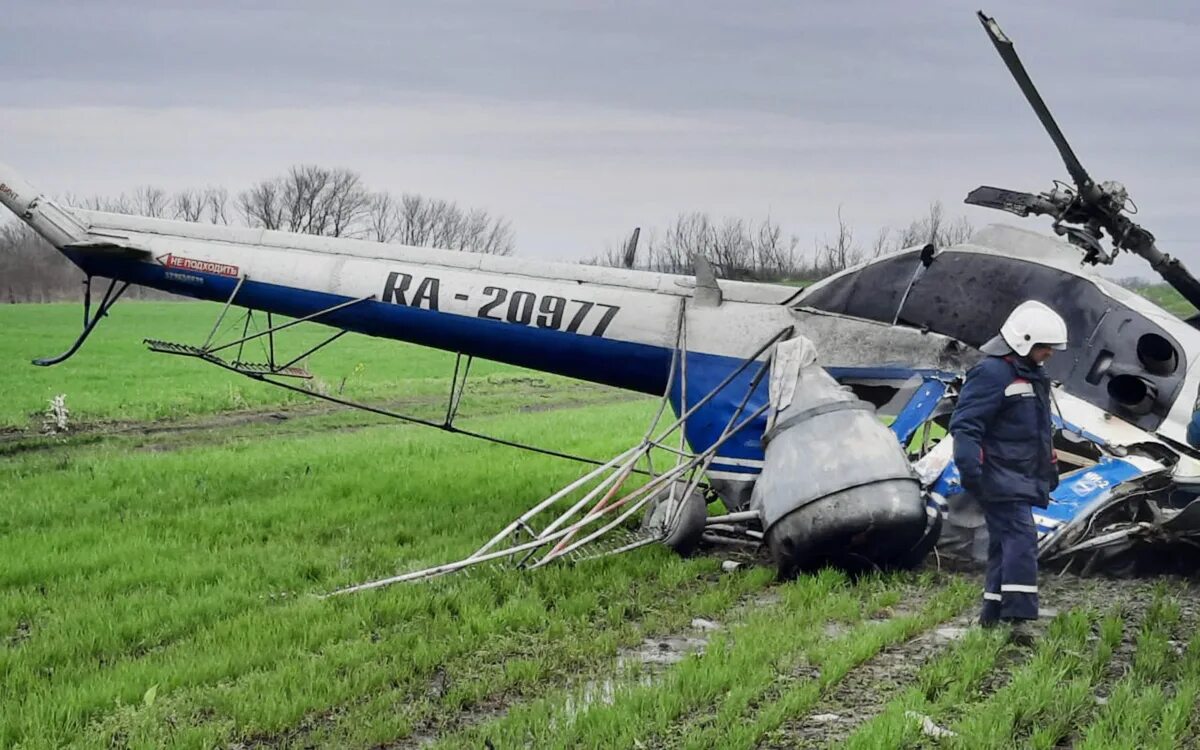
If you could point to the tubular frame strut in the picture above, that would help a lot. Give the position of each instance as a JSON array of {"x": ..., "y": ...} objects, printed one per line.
[
  {"x": 208, "y": 352},
  {"x": 598, "y": 504},
  {"x": 110, "y": 298},
  {"x": 270, "y": 371}
]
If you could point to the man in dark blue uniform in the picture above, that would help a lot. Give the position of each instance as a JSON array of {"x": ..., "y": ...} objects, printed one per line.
[{"x": 1004, "y": 452}]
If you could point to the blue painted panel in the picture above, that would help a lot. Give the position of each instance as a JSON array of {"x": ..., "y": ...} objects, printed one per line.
[
  {"x": 1080, "y": 488},
  {"x": 918, "y": 409},
  {"x": 704, "y": 373}
]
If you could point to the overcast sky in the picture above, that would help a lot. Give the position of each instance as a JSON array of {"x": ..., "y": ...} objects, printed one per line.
[{"x": 579, "y": 121}]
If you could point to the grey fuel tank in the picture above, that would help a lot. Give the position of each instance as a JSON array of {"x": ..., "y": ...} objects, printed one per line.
[{"x": 836, "y": 486}]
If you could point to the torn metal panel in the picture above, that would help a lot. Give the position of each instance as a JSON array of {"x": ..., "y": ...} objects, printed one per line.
[
  {"x": 847, "y": 340},
  {"x": 1118, "y": 507}
]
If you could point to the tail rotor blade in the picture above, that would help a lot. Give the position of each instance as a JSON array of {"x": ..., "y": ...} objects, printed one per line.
[{"x": 1007, "y": 53}]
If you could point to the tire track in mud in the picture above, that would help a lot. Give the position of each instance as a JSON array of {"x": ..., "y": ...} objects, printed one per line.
[
  {"x": 765, "y": 715},
  {"x": 1133, "y": 604},
  {"x": 1057, "y": 593},
  {"x": 167, "y": 436},
  {"x": 217, "y": 420},
  {"x": 938, "y": 717},
  {"x": 889, "y": 682},
  {"x": 862, "y": 694},
  {"x": 1059, "y": 716},
  {"x": 864, "y": 691}
]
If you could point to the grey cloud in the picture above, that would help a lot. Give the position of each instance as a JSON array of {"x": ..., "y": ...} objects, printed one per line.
[{"x": 578, "y": 120}]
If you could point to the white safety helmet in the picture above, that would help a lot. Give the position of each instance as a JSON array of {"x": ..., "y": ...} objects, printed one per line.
[{"x": 1028, "y": 324}]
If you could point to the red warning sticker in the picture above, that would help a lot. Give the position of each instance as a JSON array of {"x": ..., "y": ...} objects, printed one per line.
[{"x": 199, "y": 266}]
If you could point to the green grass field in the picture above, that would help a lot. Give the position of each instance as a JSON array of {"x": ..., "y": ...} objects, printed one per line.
[
  {"x": 114, "y": 378},
  {"x": 1165, "y": 297},
  {"x": 158, "y": 566}
]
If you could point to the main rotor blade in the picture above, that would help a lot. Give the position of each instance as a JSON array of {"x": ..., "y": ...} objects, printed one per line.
[
  {"x": 1007, "y": 53},
  {"x": 1021, "y": 204}
]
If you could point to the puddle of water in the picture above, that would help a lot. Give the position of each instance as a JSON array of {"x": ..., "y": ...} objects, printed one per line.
[
  {"x": 649, "y": 660},
  {"x": 950, "y": 633},
  {"x": 664, "y": 652},
  {"x": 597, "y": 693}
]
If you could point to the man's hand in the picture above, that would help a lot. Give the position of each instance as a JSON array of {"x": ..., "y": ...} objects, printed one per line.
[{"x": 972, "y": 484}]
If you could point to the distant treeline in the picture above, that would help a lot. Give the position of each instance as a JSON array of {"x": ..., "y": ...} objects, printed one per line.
[
  {"x": 761, "y": 251},
  {"x": 307, "y": 199}
]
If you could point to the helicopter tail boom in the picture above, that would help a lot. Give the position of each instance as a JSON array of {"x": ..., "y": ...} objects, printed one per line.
[{"x": 58, "y": 224}]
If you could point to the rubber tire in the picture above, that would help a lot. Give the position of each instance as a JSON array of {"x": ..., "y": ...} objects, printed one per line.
[{"x": 689, "y": 521}]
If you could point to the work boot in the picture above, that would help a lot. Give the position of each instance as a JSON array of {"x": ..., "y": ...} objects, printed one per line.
[{"x": 1020, "y": 633}]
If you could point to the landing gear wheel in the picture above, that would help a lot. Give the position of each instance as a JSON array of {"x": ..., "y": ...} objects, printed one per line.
[{"x": 688, "y": 527}]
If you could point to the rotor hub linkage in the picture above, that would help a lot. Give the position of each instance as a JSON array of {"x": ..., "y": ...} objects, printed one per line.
[{"x": 1083, "y": 214}]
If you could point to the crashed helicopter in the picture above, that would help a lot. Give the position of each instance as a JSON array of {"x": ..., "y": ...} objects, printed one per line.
[{"x": 775, "y": 392}]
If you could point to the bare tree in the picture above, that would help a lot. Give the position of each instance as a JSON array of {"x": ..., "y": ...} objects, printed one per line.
[
  {"x": 334, "y": 203},
  {"x": 743, "y": 249},
  {"x": 312, "y": 199},
  {"x": 775, "y": 255},
  {"x": 383, "y": 218},
  {"x": 431, "y": 222},
  {"x": 30, "y": 269},
  {"x": 120, "y": 204},
  {"x": 216, "y": 202},
  {"x": 882, "y": 243},
  {"x": 150, "y": 201},
  {"x": 737, "y": 249},
  {"x": 346, "y": 204},
  {"x": 188, "y": 205},
  {"x": 261, "y": 205},
  {"x": 208, "y": 205},
  {"x": 936, "y": 229},
  {"x": 842, "y": 252},
  {"x": 309, "y": 199}
]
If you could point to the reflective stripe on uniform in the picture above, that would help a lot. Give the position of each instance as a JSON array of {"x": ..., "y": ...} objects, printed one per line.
[
  {"x": 991, "y": 597},
  {"x": 1018, "y": 588},
  {"x": 1019, "y": 388}
]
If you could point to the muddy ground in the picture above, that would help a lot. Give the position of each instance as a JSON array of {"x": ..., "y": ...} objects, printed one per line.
[{"x": 865, "y": 691}]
